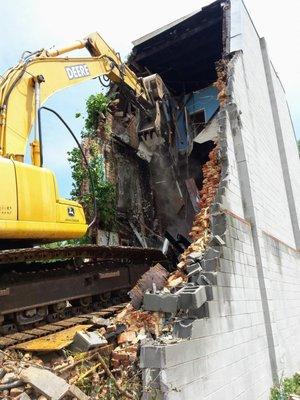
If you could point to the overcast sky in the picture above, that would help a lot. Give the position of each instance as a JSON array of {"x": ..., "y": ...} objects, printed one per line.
[{"x": 33, "y": 24}]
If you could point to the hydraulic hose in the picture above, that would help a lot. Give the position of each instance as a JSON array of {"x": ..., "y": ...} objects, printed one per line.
[{"x": 82, "y": 153}]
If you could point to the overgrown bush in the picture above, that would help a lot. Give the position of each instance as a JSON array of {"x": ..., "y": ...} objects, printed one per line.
[{"x": 285, "y": 388}]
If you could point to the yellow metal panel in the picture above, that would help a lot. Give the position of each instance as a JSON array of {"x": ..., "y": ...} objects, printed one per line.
[
  {"x": 53, "y": 342},
  {"x": 45, "y": 231},
  {"x": 70, "y": 211},
  {"x": 8, "y": 196},
  {"x": 41, "y": 213},
  {"x": 36, "y": 193}
]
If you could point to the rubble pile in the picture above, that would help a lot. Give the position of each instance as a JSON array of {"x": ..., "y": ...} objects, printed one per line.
[
  {"x": 188, "y": 288},
  {"x": 139, "y": 325},
  {"x": 100, "y": 363},
  {"x": 101, "y": 360}
]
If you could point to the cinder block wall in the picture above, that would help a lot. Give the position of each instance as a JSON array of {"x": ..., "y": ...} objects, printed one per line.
[{"x": 249, "y": 340}]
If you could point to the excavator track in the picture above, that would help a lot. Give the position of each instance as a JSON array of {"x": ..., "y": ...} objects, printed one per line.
[
  {"x": 41, "y": 284},
  {"x": 14, "y": 338},
  {"x": 87, "y": 251}
]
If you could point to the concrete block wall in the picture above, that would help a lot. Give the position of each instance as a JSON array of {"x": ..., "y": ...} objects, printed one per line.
[
  {"x": 249, "y": 338},
  {"x": 289, "y": 139},
  {"x": 250, "y": 93},
  {"x": 226, "y": 354},
  {"x": 282, "y": 276}
]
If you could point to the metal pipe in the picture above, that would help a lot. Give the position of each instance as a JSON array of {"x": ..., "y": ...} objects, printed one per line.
[
  {"x": 37, "y": 99},
  {"x": 40, "y": 137},
  {"x": 79, "y": 44}
]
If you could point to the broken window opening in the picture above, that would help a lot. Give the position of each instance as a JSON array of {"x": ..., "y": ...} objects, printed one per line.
[{"x": 196, "y": 122}]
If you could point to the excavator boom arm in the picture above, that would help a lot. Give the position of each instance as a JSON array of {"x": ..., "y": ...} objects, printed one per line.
[{"x": 50, "y": 73}]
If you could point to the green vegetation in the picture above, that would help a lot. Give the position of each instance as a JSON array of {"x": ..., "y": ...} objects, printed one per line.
[
  {"x": 105, "y": 193},
  {"x": 96, "y": 105},
  {"x": 285, "y": 388}
]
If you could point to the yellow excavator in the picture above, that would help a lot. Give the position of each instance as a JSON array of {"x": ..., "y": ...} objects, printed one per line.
[
  {"x": 31, "y": 210},
  {"x": 41, "y": 283}
]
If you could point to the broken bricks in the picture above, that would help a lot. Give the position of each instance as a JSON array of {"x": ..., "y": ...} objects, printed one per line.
[
  {"x": 127, "y": 337},
  {"x": 124, "y": 356}
]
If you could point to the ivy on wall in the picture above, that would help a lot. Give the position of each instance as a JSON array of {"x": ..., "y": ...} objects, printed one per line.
[{"x": 105, "y": 191}]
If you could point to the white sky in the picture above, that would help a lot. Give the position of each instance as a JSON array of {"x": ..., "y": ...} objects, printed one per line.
[{"x": 33, "y": 24}]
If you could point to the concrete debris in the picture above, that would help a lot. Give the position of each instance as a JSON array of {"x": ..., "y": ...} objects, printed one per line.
[
  {"x": 165, "y": 302},
  {"x": 74, "y": 391},
  {"x": 45, "y": 382},
  {"x": 216, "y": 239},
  {"x": 98, "y": 321},
  {"x": 24, "y": 396},
  {"x": 156, "y": 275},
  {"x": 84, "y": 341},
  {"x": 9, "y": 377},
  {"x": 199, "y": 313},
  {"x": 195, "y": 255},
  {"x": 192, "y": 269}
]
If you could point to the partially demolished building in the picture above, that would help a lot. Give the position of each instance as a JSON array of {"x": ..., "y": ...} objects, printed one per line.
[{"x": 227, "y": 103}]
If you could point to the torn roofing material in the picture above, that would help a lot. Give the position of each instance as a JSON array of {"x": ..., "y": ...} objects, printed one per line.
[{"x": 185, "y": 52}]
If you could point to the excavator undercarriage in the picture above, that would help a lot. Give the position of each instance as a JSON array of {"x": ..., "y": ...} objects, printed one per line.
[{"x": 41, "y": 284}]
